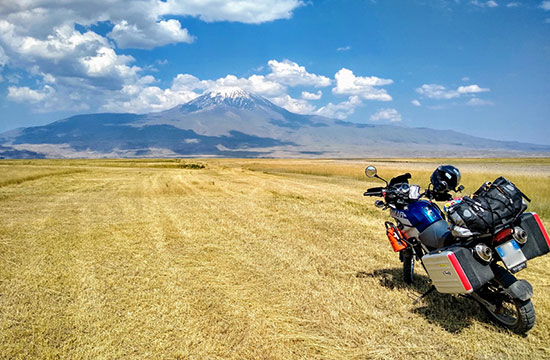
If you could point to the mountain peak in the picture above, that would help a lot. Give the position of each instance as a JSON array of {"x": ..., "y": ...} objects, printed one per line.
[
  {"x": 228, "y": 92},
  {"x": 226, "y": 96}
]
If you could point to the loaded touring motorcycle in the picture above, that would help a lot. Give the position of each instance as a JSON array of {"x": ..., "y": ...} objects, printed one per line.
[{"x": 471, "y": 248}]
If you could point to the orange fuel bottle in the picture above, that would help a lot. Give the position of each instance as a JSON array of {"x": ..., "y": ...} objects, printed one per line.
[{"x": 396, "y": 237}]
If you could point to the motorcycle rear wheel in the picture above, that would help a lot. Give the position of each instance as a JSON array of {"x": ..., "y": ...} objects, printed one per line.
[{"x": 514, "y": 314}]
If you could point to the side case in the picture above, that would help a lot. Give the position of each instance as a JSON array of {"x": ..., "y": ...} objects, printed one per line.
[
  {"x": 538, "y": 242},
  {"x": 454, "y": 270}
]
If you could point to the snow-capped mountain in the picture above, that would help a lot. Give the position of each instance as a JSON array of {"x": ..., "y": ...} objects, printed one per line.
[
  {"x": 232, "y": 122},
  {"x": 218, "y": 112},
  {"x": 230, "y": 96}
]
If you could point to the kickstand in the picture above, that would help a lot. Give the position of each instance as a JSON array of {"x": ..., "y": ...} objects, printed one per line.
[{"x": 432, "y": 288}]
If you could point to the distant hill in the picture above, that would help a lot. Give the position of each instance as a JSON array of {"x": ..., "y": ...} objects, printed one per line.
[{"x": 235, "y": 123}]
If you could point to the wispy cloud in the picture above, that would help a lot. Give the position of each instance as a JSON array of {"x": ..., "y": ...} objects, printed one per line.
[
  {"x": 344, "y": 48},
  {"x": 479, "y": 102},
  {"x": 489, "y": 4},
  {"x": 435, "y": 91}
]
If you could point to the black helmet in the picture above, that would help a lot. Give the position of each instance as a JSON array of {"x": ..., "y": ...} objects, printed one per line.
[{"x": 445, "y": 178}]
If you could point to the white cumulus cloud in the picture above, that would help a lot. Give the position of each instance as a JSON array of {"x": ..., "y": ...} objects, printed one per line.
[
  {"x": 25, "y": 94},
  {"x": 81, "y": 60},
  {"x": 289, "y": 73},
  {"x": 100, "y": 79},
  {"x": 3, "y": 57},
  {"x": 154, "y": 34},
  {"x": 341, "y": 110},
  {"x": 297, "y": 106},
  {"x": 245, "y": 11},
  {"x": 53, "y": 42},
  {"x": 141, "y": 97},
  {"x": 415, "y": 102},
  {"x": 147, "y": 99},
  {"x": 364, "y": 87},
  {"x": 311, "y": 96},
  {"x": 470, "y": 89},
  {"x": 390, "y": 115},
  {"x": 257, "y": 84},
  {"x": 140, "y": 23}
]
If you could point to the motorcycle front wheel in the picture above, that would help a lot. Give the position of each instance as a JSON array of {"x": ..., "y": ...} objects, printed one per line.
[{"x": 408, "y": 266}]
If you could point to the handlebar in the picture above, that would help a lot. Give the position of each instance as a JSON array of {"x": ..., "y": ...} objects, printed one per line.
[
  {"x": 398, "y": 193},
  {"x": 376, "y": 191}
]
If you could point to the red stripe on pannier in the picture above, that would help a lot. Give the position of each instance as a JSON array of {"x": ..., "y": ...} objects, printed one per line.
[
  {"x": 542, "y": 229},
  {"x": 460, "y": 272}
]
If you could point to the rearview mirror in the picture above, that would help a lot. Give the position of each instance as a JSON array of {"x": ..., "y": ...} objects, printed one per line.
[{"x": 370, "y": 171}]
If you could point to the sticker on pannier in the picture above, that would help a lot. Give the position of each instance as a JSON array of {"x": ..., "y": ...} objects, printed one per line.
[{"x": 454, "y": 270}]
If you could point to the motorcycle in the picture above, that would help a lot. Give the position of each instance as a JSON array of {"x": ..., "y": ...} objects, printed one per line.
[{"x": 480, "y": 266}]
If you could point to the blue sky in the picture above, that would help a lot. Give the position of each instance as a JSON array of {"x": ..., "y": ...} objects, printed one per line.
[{"x": 480, "y": 67}]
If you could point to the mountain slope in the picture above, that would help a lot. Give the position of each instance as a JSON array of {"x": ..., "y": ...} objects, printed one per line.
[{"x": 235, "y": 123}]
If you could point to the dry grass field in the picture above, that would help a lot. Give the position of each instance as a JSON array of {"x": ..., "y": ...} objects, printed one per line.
[{"x": 243, "y": 259}]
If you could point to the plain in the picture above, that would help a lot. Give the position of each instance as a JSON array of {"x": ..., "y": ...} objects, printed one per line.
[{"x": 271, "y": 259}]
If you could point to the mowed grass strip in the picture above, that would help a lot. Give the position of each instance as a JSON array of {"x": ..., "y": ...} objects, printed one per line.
[
  {"x": 10, "y": 175},
  {"x": 228, "y": 262}
]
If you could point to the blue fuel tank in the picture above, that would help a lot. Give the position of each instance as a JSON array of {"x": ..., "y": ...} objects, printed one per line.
[{"x": 423, "y": 220}]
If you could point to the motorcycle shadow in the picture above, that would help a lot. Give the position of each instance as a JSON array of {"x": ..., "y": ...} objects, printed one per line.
[{"x": 452, "y": 313}]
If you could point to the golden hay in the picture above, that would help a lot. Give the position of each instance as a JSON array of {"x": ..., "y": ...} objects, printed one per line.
[{"x": 250, "y": 259}]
